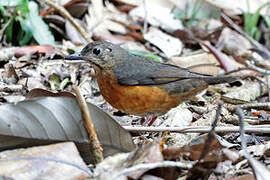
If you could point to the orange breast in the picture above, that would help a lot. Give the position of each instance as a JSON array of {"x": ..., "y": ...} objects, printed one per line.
[{"x": 137, "y": 100}]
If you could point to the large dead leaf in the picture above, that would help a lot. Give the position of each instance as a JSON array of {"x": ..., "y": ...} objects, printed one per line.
[
  {"x": 49, "y": 119},
  {"x": 43, "y": 162},
  {"x": 198, "y": 63},
  {"x": 165, "y": 20}
]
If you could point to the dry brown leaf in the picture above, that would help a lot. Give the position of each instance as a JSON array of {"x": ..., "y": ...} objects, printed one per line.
[
  {"x": 234, "y": 44},
  {"x": 169, "y": 45},
  {"x": 148, "y": 153},
  {"x": 194, "y": 150},
  {"x": 47, "y": 120},
  {"x": 249, "y": 91},
  {"x": 201, "y": 60},
  {"x": 73, "y": 33},
  {"x": 243, "y": 177},
  {"x": 131, "y": 2},
  {"x": 22, "y": 51},
  {"x": 165, "y": 20},
  {"x": 101, "y": 21},
  {"x": 42, "y": 169}
]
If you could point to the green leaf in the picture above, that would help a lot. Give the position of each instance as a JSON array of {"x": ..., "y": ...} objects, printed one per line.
[
  {"x": 64, "y": 83},
  {"x": 26, "y": 34},
  {"x": 39, "y": 28},
  {"x": 70, "y": 51},
  {"x": 251, "y": 21},
  {"x": 9, "y": 29},
  {"x": 147, "y": 55},
  {"x": 2, "y": 11},
  {"x": 54, "y": 81},
  {"x": 257, "y": 35},
  {"x": 267, "y": 20},
  {"x": 11, "y": 2},
  {"x": 23, "y": 10}
]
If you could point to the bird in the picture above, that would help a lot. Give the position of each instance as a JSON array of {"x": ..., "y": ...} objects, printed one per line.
[{"x": 138, "y": 85}]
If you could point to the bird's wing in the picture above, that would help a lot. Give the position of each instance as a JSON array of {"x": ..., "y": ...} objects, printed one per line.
[{"x": 148, "y": 72}]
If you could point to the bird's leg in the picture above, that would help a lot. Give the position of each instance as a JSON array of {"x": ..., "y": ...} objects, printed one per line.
[{"x": 148, "y": 120}]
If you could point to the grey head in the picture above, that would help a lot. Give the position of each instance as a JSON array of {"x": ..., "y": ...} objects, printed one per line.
[{"x": 102, "y": 54}]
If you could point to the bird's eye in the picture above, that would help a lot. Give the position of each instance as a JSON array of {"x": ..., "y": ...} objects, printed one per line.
[{"x": 96, "y": 51}]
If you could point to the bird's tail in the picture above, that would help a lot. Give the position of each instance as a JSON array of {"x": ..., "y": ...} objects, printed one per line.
[{"x": 220, "y": 79}]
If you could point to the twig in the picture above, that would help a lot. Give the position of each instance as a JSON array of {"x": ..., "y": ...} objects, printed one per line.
[
  {"x": 70, "y": 3},
  {"x": 260, "y": 171},
  {"x": 145, "y": 17},
  {"x": 218, "y": 55},
  {"x": 87, "y": 171},
  {"x": 11, "y": 87},
  {"x": 66, "y": 14},
  {"x": 256, "y": 68},
  {"x": 211, "y": 133},
  {"x": 237, "y": 70},
  {"x": 199, "y": 129},
  {"x": 260, "y": 106},
  {"x": 268, "y": 86},
  {"x": 149, "y": 166},
  {"x": 93, "y": 139},
  {"x": 241, "y": 116},
  {"x": 4, "y": 27},
  {"x": 239, "y": 30}
]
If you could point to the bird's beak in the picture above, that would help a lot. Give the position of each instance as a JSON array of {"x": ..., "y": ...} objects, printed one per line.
[
  {"x": 75, "y": 57},
  {"x": 80, "y": 57}
]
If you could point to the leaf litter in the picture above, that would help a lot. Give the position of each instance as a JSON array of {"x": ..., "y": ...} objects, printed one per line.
[{"x": 50, "y": 115}]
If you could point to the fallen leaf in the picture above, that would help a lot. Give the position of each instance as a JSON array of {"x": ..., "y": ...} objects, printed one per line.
[
  {"x": 204, "y": 63},
  {"x": 165, "y": 20},
  {"x": 22, "y": 51},
  {"x": 13, "y": 164},
  {"x": 73, "y": 33},
  {"x": 194, "y": 150},
  {"x": 169, "y": 45},
  {"x": 51, "y": 119},
  {"x": 249, "y": 91},
  {"x": 234, "y": 44},
  {"x": 111, "y": 166}
]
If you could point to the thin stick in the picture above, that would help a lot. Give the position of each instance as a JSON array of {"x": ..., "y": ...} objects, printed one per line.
[
  {"x": 268, "y": 86},
  {"x": 201, "y": 129},
  {"x": 217, "y": 54},
  {"x": 149, "y": 166},
  {"x": 211, "y": 133},
  {"x": 11, "y": 87},
  {"x": 93, "y": 139},
  {"x": 241, "y": 116},
  {"x": 145, "y": 17},
  {"x": 261, "y": 106},
  {"x": 237, "y": 70},
  {"x": 260, "y": 171},
  {"x": 256, "y": 68},
  {"x": 66, "y": 14},
  {"x": 240, "y": 31}
]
